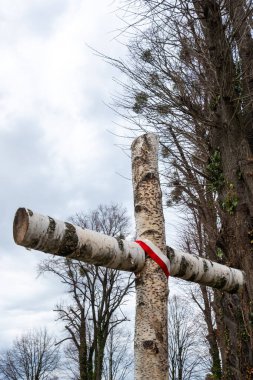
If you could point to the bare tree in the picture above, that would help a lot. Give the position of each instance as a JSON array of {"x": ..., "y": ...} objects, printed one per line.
[
  {"x": 118, "y": 360},
  {"x": 188, "y": 351},
  {"x": 195, "y": 241},
  {"x": 33, "y": 356},
  {"x": 96, "y": 294}
]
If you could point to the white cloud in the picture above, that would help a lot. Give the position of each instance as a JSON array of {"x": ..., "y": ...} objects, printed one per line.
[
  {"x": 27, "y": 302},
  {"x": 56, "y": 156}
]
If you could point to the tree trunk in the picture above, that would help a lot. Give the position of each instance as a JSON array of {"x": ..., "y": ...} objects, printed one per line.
[
  {"x": 212, "y": 336},
  {"x": 110, "y": 364},
  {"x": 151, "y": 335},
  {"x": 234, "y": 313},
  {"x": 83, "y": 365}
]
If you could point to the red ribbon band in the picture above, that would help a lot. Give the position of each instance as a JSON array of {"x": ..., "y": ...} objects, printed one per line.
[{"x": 155, "y": 255}]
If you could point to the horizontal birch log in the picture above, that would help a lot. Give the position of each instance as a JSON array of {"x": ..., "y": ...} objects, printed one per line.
[
  {"x": 205, "y": 272},
  {"x": 43, "y": 233}
]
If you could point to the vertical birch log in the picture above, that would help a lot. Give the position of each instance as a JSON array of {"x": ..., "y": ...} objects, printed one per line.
[{"x": 151, "y": 332}]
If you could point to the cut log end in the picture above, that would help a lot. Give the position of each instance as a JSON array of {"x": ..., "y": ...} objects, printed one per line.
[{"x": 20, "y": 225}]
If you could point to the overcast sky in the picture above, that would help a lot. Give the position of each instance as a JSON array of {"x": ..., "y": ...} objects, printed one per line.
[{"x": 57, "y": 156}]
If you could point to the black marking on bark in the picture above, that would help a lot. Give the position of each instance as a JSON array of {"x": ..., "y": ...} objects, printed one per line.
[
  {"x": 145, "y": 139},
  {"x": 148, "y": 176},
  {"x": 30, "y": 213},
  {"x": 69, "y": 241},
  {"x": 159, "y": 336},
  {"x": 138, "y": 208},
  {"x": 103, "y": 260},
  {"x": 134, "y": 264},
  {"x": 220, "y": 283},
  {"x": 150, "y": 345},
  {"x": 183, "y": 267},
  {"x": 33, "y": 243},
  {"x": 120, "y": 244},
  {"x": 148, "y": 141},
  {"x": 170, "y": 253},
  {"x": 86, "y": 251},
  {"x": 193, "y": 277},
  {"x": 52, "y": 243},
  {"x": 51, "y": 227},
  {"x": 152, "y": 232},
  {"x": 205, "y": 266},
  {"x": 138, "y": 280}
]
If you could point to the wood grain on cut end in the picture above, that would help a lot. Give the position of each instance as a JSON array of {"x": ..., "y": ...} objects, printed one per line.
[{"x": 20, "y": 225}]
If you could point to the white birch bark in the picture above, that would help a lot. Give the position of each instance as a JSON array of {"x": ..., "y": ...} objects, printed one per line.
[
  {"x": 151, "y": 333},
  {"x": 205, "y": 272},
  {"x": 43, "y": 233}
]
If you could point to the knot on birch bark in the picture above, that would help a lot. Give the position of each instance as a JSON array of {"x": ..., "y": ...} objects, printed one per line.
[{"x": 150, "y": 345}]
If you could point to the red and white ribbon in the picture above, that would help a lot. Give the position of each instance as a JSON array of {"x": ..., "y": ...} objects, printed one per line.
[{"x": 156, "y": 254}]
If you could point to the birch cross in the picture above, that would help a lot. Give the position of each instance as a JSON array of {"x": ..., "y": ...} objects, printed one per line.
[{"x": 49, "y": 235}]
